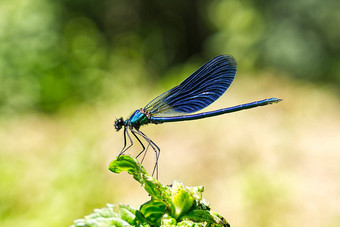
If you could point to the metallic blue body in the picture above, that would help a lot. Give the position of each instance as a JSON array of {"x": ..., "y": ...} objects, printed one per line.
[
  {"x": 157, "y": 120},
  {"x": 137, "y": 119}
]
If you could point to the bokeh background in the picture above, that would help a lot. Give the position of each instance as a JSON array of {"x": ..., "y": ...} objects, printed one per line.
[{"x": 69, "y": 68}]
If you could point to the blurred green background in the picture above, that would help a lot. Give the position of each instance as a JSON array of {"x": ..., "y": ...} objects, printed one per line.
[{"x": 68, "y": 68}]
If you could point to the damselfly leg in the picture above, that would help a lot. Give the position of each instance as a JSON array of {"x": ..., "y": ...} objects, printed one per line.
[
  {"x": 126, "y": 133},
  {"x": 137, "y": 133},
  {"x": 154, "y": 147}
]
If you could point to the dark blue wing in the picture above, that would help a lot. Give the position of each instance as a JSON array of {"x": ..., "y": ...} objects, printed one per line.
[{"x": 197, "y": 91}]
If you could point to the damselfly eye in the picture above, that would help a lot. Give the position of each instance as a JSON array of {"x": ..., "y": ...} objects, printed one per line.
[{"x": 119, "y": 123}]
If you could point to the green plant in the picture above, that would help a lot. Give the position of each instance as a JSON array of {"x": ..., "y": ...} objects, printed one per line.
[{"x": 174, "y": 205}]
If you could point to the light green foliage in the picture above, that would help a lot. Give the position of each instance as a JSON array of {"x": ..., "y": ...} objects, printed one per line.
[
  {"x": 174, "y": 205},
  {"x": 294, "y": 36},
  {"x": 112, "y": 215},
  {"x": 46, "y": 63},
  {"x": 55, "y": 54}
]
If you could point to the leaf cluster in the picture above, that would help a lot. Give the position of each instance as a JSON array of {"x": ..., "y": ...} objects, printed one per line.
[{"x": 173, "y": 205}]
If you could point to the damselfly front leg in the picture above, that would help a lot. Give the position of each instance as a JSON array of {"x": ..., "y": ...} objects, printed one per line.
[{"x": 126, "y": 133}]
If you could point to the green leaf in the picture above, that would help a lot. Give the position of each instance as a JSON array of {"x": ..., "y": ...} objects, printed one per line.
[
  {"x": 168, "y": 221},
  {"x": 127, "y": 214},
  {"x": 153, "y": 211},
  {"x": 183, "y": 202},
  {"x": 220, "y": 220},
  {"x": 140, "y": 219},
  {"x": 112, "y": 215},
  {"x": 196, "y": 192},
  {"x": 128, "y": 164},
  {"x": 188, "y": 223},
  {"x": 199, "y": 216},
  {"x": 155, "y": 189}
]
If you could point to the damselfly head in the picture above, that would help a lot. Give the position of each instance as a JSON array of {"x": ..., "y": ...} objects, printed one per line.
[{"x": 119, "y": 123}]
